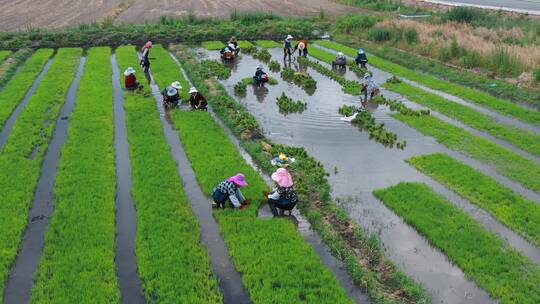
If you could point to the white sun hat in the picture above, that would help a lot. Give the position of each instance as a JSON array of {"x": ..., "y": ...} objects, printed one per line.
[
  {"x": 176, "y": 85},
  {"x": 171, "y": 92},
  {"x": 129, "y": 71},
  {"x": 340, "y": 54},
  {"x": 193, "y": 90},
  {"x": 290, "y": 37}
]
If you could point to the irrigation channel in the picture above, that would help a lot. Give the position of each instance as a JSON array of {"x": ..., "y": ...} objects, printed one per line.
[
  {"x": 301, "y": 222},
  {"x": 229, "y": 278},
  {"x": 126, "y": 215},
  {"x": 361, "y": 166},
  {"x": 4, "y": 133},
  {"x": 21, "y": 278}
]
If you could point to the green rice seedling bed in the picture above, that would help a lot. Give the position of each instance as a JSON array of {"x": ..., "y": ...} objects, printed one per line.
[
  {"x": 213, "y": 45},
  {"x": 16, "y": 88},
  {"x": 78, "y": 259},
  {"x": 507, "y": 163},
  {"x": 525, "y": 140},
  {"x": 169, "y": 73},
  {"x": 21, "y": 158},
  {"x": 503, "y": 272},
  {"x": 277, "y": 264},
  {"x": 510, "y": 208},
  {"x": 348, "y": 86},
  {"x": 242, "y": 229},
  {"x": 4, "y": 55},
  {"x": 361, "y": 253},
  {"x": 480, "y": 98},
  {"x": 9, "y": 67},
  {"x": 218, "y": 69},
  {"x": 287, "y": 105},
  {"x": 269, "y": 44},
  {"x": 245, "y": 44},
  {"x": 173, "y": 263}
]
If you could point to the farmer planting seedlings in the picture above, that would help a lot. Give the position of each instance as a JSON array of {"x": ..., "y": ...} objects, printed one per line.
[
  {"x": 229, "y": 191},
  {"x": 284, "y": 197}
]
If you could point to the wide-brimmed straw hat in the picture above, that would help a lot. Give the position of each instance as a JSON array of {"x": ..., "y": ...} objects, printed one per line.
[
  {"x": 239, "y": 179},
  {"x": 129, "y": 71},
  {"x": 193, "y": 90},
  {"x": 172, "y": 92},
  {"x": 282, "y": 177},
  {"x": 177, "y": 85},
  {"x": 289, "y": 37}
]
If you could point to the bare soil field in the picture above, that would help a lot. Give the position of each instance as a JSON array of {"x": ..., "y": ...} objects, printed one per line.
[{"x": 18, "y": 14}]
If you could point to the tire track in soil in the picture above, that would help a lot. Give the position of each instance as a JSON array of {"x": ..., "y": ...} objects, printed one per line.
[
  {"x": 304, "y": 228},
  {"x": 230, "y": 280},
  {"x": 130, "y": 283},
  {"x": 21, "y": 278},
  {"x": 4, "y": 134}
]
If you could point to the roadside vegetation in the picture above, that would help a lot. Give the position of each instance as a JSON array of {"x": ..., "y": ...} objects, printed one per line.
[
  {"x": 81, "y": 236},
  {"x": 504, "y": 107},
  {"x": 15, "y": 90},
  {"x": 362, "y": 254},
  {"x": 21, "y": 158},
  {"x": 512, "y": 209},
  {"x": 173, "y": 263},
  {"x": 523, "y": 139},
  {"x": 483, "y": 256}
]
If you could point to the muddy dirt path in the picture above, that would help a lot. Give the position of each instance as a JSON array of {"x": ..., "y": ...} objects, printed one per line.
[
  {"x": 126, "y": 215},
  {"x": 301, "y": 222},
  {"x": 230, "y": 280},
  {"x": 4, "y": 133},
  {"x": 363, "y": 166},
  {"x": 21, "y": 278}
]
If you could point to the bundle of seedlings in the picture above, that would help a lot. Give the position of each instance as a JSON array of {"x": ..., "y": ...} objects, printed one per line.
[
  {"x": 394, "y": 79},
  {"x": 348, "y": 86},
  {"x": 249, "y": 50},
  {"x": 346, "y": 110},
  {"x": 399, "y": 107},
  {"x": 240, "y": 88},
  {"x": 287, "y": 105},
  {"x": 274, "y": 66},
  {"x": 263, "y": 55},
  {"x": 216, "y": 69}
]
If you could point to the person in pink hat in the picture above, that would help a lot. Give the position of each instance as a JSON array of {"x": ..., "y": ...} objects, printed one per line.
[
  {"x": 284, "y": 196},
  {"x": 229, "y": 190},
  {"x": 145, "y": 60}
]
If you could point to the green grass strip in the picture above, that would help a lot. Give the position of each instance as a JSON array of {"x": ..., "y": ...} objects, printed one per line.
[
  {"x": 19, "y": 166},
  {"x": 523, "y": 139},
  {"x": 322, "y": 55},
  {"x": 510, "y": 208},
  {"x": 78, "y": 259},
  {"x": 507, "y": 162},
  {"x": 168, "y": 71},
  {"x": 17, "y": 87},
  {"x": 483, "y": 99},
  {"x": 269, "y": 44},
  {"x": 173, "y": 263},
  {"x": 494, "y": 265},
  {"x": 4, "y": 55},
  {"x": 245, "y": 44},
  {"x": 213, "y": 45},
  {"x": 278, "y": 266}
]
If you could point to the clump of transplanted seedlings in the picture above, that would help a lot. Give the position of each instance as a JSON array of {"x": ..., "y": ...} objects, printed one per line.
[
  {"x": 288, "y": 105},
  {"x": 263, "y": 55},
  {"x": 399, "y": 107},
  {"x": 301, "y": 79},
  {"x": 394, "y": 79},
  {"x": 217, "y": 69},
  {"x": 274, "y": 66}
]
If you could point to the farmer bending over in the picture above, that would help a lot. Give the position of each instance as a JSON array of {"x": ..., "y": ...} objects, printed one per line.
[
  {"x": 260, "y": 76},
  {"x": 229, "y": 190},
  {"x": 302, "y": 47},
  {"x": 130, "y": 81},
  {"x": 284, "y": 196},
  {"x": 234, "y": 43},
  {"x": 196, "y": 100},
  {"x": 340, "y": 61},
  {"x": 369, "y": 87},
  {"x": 361, "y": 58}
]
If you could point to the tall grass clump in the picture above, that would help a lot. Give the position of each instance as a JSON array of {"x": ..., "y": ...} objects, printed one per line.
[
  {"x": 352, "y": 24},
  {"x": 379, "y": 34},
  {"x": 173, "y": 263},
  {"x": 21, "y": 158},
  {"x": 503, "y": 272},
  {"x": 16, "y": 88},
  {"x": 505, "y": 62}
]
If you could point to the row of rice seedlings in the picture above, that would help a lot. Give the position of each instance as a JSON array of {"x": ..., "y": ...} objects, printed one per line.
[
  {"x": 287, "y": 105},
  {"x": 502, "y": 271},
  {"x": 173, "y": 263},
  {"x": 171, "y": 73},
  {"x": 9, "y": 66},
  {"x": 21, "y": 158},
  {"x": 480, "y": 98},
  {"x": 512, "y": 209},
  {"x": 278, "y": 266},
  {"x": 16, "y": 88},
  {"x": 348, "y": 86},
  {"x": 505, "y": 161},
  {"x": 257, "y": 246},
  {"x": 301, "y": 79},
  {"x": 362, "y": 254},
  {"x": 523, "y": 139}
]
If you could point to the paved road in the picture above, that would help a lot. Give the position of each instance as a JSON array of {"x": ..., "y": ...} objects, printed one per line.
[{"x": 531, "y": 6}]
